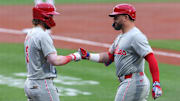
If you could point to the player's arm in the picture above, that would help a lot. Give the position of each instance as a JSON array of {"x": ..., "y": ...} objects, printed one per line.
[
  {"x": 104, "y": 57},
  {"x": 153, "y": 66},
  {"x": 58, "y": 60},
  {"x": 142, "y": 48}
]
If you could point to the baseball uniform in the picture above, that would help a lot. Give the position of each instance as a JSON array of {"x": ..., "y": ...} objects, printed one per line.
[
  {"x": 129, "y": 50},
  {"x": 39, "y": 84}
]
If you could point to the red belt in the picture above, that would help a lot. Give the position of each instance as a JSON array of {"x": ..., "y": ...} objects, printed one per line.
[{"x": 130, "y": 75}]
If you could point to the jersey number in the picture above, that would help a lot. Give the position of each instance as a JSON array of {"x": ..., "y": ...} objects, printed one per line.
[{"x": 27, "y": 54}]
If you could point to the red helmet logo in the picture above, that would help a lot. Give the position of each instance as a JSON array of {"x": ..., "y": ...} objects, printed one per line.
[{"x": 124, "y": 9}]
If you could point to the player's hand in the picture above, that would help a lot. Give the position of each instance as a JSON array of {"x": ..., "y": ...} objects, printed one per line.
[
  {"x": 156, "y": 90},
  {"x": 84, "y": 54},
  {"x": 76, "y": 56}
]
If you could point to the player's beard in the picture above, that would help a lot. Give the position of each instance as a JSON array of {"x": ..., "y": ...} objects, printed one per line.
[{"x": 117, "y": 26}]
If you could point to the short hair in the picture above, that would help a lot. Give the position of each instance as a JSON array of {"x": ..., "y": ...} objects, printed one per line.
[
  {"x": 39, "y": 22},
  {"x": 36, "y": 22},
  {"x": 130, "y": 18}
]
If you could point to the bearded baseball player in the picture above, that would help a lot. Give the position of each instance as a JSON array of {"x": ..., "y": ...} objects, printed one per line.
[
  {"x": 129, "y": 52},
  {"x": 41, "y": 56}
]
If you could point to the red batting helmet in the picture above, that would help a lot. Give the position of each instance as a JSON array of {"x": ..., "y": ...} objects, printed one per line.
[
  {"x": 124, "y": 9},
  {"x": 43, "y": 11}
]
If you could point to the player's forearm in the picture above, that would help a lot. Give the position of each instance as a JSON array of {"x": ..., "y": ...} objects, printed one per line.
[
  {"x": 62, "y": 60},
  {"x": 58, "y": 60},
  {"x": 153, "y": 66}
]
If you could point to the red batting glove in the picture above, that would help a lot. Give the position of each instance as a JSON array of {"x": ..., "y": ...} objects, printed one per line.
[
  {"x": 84, "y": 54},
  {"x": 156, "y": 90}
]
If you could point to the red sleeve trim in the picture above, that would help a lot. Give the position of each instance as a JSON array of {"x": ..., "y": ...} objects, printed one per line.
[
  {"x": 111, "y": 56},
  {"x": 153, "y": 66},
  {"x": 111, "y": 59}
]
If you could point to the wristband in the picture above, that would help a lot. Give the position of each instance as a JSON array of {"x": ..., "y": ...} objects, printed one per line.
[{"x": 94, "y": 57}]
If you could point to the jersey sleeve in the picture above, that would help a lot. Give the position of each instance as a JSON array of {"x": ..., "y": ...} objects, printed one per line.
[
  {"x": 114, "y": 45},
  {"x": 141, "y": 45},
  {"x": 112, "y": 48},
  {"x": 47, "y": 45}
]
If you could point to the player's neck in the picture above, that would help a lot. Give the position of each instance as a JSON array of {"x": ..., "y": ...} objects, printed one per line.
[
  {"x": 42, "y": 27},
  {"x": 128, "y": 27}
]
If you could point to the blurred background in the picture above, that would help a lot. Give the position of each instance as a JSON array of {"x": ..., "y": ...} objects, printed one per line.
[{"x": 85, "y": 23}]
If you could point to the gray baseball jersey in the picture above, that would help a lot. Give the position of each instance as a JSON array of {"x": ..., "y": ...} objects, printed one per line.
[
  {"x": 38, "y": 44},
  {"x": 39, "y": 84},
  {"x": 129, "y": 51}
]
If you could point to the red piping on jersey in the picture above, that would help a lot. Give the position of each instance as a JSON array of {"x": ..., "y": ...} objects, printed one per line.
[
  {"x": 49, "y": 93},
  {"x": 153, "y": 66},
  {"x": 126, "y": 90}
]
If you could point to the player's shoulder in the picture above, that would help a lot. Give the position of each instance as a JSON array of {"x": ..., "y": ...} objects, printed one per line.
[
  {"x": 40, "y": 32},
  {"x": 138, "y": 35}
]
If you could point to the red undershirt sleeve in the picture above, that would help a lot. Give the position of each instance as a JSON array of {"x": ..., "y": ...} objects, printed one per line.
[
  {"x": 153, "y": 66},
  {"x": 111, "y": 59}
]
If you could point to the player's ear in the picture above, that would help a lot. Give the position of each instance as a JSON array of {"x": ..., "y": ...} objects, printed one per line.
[{"x": 126, "y": 17}]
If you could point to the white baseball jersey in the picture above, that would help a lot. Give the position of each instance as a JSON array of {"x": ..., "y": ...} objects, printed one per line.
[
  {"x": 129, "y": 51},
  {"x": 38, "y": 44}
]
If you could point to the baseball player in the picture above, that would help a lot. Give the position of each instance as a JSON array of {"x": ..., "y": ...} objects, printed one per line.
[
  {"x": 129, "y": 52},
  {"x": 41, "y": 56}
]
